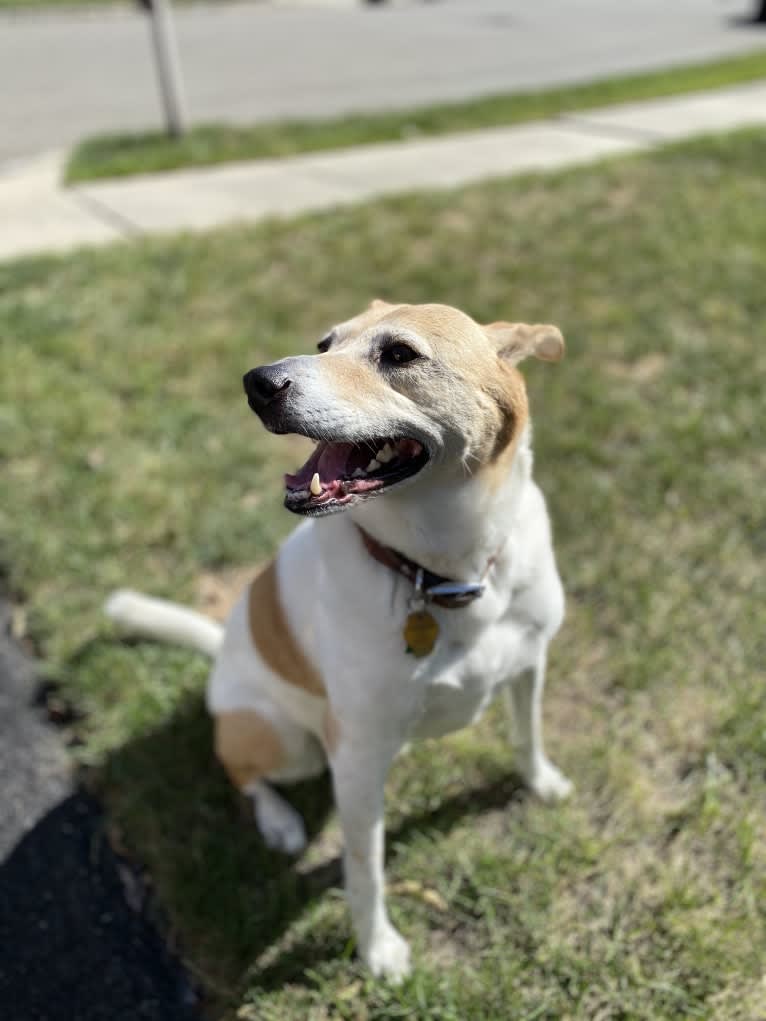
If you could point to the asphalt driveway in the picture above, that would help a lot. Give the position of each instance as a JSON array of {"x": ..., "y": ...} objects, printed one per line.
[{"x": 77, "y": 938}]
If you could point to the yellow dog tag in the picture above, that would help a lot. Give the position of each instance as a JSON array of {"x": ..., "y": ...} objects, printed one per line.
[{"x": 420, "y": 633}]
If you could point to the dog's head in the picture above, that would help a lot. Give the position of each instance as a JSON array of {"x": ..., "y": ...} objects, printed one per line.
[{"x": 397, "y": 393}]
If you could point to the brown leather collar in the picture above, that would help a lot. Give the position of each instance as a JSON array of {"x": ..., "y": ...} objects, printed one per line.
[{"x": 430, "y": 587}]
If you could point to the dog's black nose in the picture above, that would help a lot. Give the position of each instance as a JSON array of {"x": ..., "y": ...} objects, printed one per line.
[{"x": 264, "y": 385}]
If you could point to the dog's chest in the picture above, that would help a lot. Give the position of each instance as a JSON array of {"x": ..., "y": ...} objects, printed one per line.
[{"x": 465, "y": 675}]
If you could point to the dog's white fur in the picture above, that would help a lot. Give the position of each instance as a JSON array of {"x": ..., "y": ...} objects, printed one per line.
[{"x": 466, "y": 514}]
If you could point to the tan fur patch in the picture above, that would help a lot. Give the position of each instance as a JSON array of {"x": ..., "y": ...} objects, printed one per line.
[
  {"x": 272, "y": 637},
  {"x": 510, "y": 394},
  {"x": 516, "y": 341},
  {"x": 462, "y": 344},
  {"x": 350, "y": 378},
  {"x": 371, "y": 315},
  {"x": 468, "y": 380},
  {"x": 247, "y": 745}
]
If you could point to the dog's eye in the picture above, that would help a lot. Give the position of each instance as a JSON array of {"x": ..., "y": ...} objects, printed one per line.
[
  {"x": 397, "y": 354},
  {"x": 325, "y": 342}
]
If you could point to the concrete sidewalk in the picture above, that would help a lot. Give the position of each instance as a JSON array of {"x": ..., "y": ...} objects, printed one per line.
[{"x": 37, "y": 215}]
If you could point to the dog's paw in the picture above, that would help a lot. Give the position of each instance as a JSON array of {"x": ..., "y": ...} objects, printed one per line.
[
  {"x": 388, "y": 956},
  {"x": 281, "y": 826},
  {"x": 549, "y": 783}
]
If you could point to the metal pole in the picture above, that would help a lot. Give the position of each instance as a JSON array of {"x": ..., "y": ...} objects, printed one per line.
[{"x": 168, "y": 67}]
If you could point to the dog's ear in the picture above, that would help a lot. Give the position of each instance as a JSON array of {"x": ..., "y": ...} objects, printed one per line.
[
  {"x": 379, "y": 305},
  {"x": 516, "y": 341}
]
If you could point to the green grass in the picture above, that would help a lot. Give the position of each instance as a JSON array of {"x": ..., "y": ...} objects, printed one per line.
[
  {"x": 129, "y": 457},
  {"x": 120, "y": 155}
]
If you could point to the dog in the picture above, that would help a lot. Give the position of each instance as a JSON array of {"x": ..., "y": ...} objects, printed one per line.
[{"x": 421, "y": 584}]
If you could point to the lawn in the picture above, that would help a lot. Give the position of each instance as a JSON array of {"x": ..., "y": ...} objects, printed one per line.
[
  {"x": 121, "y": 155},
  {"x": 129, "y": 457}
]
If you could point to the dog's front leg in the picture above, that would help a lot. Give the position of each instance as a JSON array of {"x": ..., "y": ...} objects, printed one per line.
[
  {"x": 541, "y": 776},
  {"x": 359, "y": 774}
]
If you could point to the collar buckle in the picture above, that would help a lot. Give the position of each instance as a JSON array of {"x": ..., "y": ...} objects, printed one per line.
[
  {"x": 458, "y": 593},
  {"x": 419, "y": 598}
]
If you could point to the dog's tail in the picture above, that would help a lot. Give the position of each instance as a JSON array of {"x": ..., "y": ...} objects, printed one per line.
[{"x": 167, "y": 622}]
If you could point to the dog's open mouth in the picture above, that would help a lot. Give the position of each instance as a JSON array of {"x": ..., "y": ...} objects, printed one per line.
[{"x": 339, "y": 474}]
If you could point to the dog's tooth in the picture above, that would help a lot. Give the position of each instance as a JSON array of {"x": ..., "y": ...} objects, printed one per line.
[
  {"x": 316, "y": 485},
  {"x": 358, "y": 473},
  {"x": 385, "y": 454},
  {"x": 373, "y": 465}
]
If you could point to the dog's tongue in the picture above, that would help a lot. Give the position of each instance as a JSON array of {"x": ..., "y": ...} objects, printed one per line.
[
  {"x": 333, "y": 458},
  {"x": 329, "y": 459}
]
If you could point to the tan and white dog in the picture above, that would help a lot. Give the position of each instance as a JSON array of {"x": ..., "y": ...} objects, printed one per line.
[{"x": 404, "y": 616}]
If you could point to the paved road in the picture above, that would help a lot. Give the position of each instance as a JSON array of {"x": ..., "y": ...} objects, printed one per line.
[{"x": 64, "y": 76}]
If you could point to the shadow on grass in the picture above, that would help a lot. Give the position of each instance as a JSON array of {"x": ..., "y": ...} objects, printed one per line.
[
  {"x": 227, "y": 898},
  {"x": 291, "y": 965}
]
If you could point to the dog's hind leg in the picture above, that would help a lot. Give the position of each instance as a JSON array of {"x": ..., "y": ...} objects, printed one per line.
[
  {"x": 255, "y": 746},
  {"x": 281, "y": 826},
  {"x": 525, "y": 697}
]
